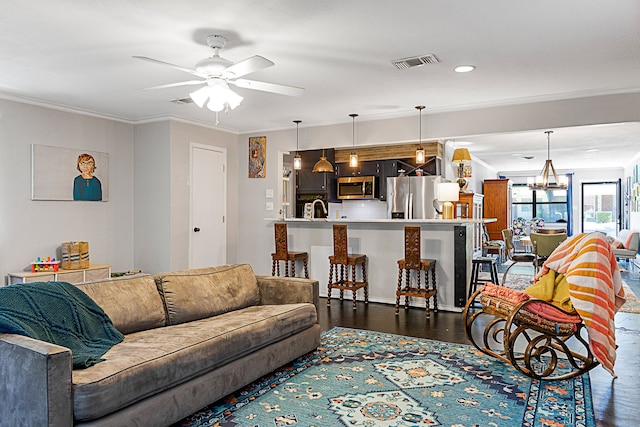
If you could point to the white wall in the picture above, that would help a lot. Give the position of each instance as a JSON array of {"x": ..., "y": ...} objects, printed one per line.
[
  {"x": 152, "y": 204},
  {"x": 29, "y": 228}
]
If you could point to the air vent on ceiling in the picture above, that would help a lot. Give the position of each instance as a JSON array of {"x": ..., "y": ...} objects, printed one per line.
[
  {"x": 181, "y": 101},
  {"x": 416, "y": 61}
]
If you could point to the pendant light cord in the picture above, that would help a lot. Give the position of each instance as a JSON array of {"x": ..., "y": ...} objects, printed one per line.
[
  {"x": 297, "y": 122},
  {"x": 353, "y": 130}
]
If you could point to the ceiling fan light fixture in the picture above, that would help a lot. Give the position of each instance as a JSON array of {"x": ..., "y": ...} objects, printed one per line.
[
  {"x": 233, "y": 99},
  {"x": 213, "y": 105},
  {"x": 218, "y": 94},
  {"x": 200, "y": 96}
]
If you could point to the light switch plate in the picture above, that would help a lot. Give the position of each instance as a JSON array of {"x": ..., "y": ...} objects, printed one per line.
[{"x": 269, "y": 193}]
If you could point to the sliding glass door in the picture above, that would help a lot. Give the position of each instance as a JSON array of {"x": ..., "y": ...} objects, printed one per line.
[{"x": 601, "y": 207}]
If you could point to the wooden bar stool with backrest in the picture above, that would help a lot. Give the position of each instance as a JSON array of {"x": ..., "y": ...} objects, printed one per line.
[
  {"x": 342, "y": 259},
  {"x": 282, "y": 254},
  {"x": 413, "y": 262}
]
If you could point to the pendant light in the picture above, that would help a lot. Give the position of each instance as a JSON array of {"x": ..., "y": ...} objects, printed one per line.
[
  {"x": 420, "y": 156},
  {"x": 322, "y": 165},
  {"x": 543, "y": 181},
  {"x": 297, "y": 160},
  {"x": 353, "y": 158}
]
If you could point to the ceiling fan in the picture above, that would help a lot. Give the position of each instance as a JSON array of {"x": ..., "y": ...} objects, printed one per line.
[{"x": 218, "y": 73}]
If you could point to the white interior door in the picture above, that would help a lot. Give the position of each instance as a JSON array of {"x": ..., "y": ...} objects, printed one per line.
[{"x": 208, "y": 228}]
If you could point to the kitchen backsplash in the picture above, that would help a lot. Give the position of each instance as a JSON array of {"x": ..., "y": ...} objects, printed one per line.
[{"x": 358, "y": 209}]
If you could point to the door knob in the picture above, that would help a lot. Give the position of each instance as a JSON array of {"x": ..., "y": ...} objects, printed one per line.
[{"x": 196, "y": 229}]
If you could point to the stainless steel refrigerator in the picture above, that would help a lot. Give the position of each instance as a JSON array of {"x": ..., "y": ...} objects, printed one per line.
[{"x": 412, "y": 197}]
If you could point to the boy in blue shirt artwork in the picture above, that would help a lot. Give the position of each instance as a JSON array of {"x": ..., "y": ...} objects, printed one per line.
[{"x": 86, "y": 186}]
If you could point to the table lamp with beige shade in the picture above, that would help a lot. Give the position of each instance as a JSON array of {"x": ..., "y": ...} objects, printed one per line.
[
  {"x": 448, "y": 192},
  {"x": 460, "y": 156}
]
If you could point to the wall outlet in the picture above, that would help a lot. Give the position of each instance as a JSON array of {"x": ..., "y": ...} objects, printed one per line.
[{"x": 269, "y": 206}]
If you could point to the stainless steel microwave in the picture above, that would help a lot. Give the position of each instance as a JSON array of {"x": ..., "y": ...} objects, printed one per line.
[{"x": 357, "y": 187}]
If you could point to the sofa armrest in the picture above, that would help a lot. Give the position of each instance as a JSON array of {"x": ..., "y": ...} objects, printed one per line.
[
  {"x": 35, "y": 382},
  {"x": 288, "y": 290}
]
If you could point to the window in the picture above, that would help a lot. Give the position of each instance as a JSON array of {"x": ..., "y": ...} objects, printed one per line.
[{"x": 550, "y": 205}]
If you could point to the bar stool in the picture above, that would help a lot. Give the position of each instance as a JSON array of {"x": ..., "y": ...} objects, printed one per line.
[
  {"x": 282, "y": 254},
  {"x": 477, "y": 264},
  {"x": 412, "y": 261},
  {"x": 343, "y": 259}
]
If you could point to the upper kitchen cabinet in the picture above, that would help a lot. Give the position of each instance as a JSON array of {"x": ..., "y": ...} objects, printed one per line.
[
  {"x": 370, "y": 168},
  {"x": 312, "y": 182}
]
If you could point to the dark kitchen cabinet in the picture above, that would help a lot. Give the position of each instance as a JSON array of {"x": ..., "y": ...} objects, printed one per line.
[
  {"x": 311, "y": 182},
  {"x": 368, "y": 168}
]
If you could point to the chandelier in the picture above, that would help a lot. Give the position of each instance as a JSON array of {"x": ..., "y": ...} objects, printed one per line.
[{"x": 548, "y": 178}]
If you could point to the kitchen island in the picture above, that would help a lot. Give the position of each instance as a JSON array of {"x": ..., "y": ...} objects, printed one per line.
[{"x": 449, "y": 242}]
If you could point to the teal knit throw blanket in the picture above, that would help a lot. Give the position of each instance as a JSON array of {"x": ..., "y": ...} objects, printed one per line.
[{"x": 59, "y": 313}]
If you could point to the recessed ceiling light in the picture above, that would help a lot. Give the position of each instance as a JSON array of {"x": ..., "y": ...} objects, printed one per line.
[
  {"x": 592, "y": 150},
  {"x": 464, "y": 68}
]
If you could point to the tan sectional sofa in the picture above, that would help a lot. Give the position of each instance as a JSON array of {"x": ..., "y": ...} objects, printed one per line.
[{"x": 191, "y": 337}]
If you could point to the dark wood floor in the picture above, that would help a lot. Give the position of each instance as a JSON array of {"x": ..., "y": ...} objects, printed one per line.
[{"x": 616, "y": 402}]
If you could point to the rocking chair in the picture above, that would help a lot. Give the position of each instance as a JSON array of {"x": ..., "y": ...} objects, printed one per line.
[{"x": 537, "y": 338}]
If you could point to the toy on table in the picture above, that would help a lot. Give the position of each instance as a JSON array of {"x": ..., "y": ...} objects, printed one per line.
[{"x": 43, "y": 264}]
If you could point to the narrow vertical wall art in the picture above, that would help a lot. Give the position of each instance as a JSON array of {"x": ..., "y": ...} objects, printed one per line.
[{"x": 258, "y": 157}]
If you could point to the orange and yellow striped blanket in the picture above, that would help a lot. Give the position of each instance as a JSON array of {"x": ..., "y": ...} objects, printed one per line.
[{"x": 595, "y": 288}]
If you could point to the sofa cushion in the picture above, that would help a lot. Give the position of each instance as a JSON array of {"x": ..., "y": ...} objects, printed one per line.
[
  {"x": 148, "y": 362},
  {"x": 199, "y": 293},
  {"x": 131, "y": 302}
]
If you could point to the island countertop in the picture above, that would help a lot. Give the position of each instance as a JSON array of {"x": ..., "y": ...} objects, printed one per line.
[{"x": 449, "y": 242}]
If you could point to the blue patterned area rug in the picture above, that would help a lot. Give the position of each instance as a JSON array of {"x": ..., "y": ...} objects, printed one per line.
[{"x": 365, "y": 378}]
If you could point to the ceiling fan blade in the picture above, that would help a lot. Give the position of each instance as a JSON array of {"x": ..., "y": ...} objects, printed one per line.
[
  {"x": 168, "y": 85},
  {"x": 247, "y": 66},
  {"x": 177, "y": 67},
  {"x": 268, "y": 87}
]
